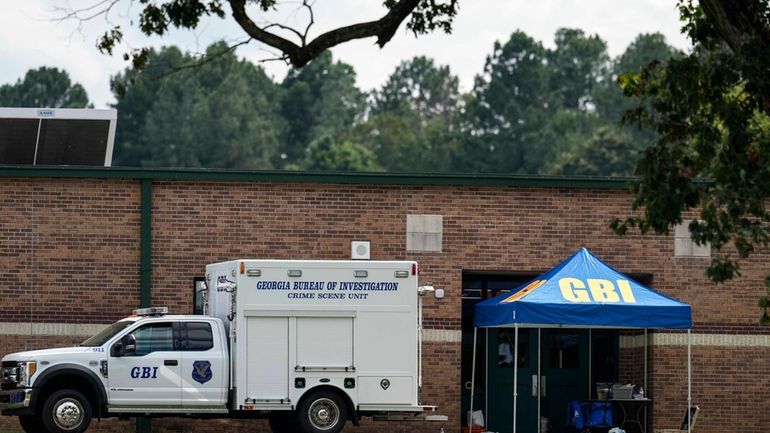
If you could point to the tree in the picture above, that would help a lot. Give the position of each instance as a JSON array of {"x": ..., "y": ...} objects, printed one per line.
[
  {"x": 531, "y": 104},
  {"x": 419, "y": 87},
  {"x": 411, "y": 122},
  {"x": 508, "y": 106},
  {"x": 646, "y": 48},
  {"x": 576, "y": 66},
  {"x": 711, "y": 109},
  {"x": 608, "y": 152},
  {"x": 217, "y": 115},
  {"x": 321, "y": 100},
  {"x": 44, "y": 87},
  {"x": 294, "y": 43},
  {"x": 326, "y": 154}
]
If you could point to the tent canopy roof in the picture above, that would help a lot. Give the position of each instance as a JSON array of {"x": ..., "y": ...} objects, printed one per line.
[{"x": 583, "y": 291}]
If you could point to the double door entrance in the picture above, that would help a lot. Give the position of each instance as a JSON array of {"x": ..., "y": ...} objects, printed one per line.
[{"x": 562, "y": 377}]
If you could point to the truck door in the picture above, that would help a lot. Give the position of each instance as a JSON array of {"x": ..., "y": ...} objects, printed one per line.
[
  {"x": 203, "y": 365},
  {"x": 148, "y": 375}
]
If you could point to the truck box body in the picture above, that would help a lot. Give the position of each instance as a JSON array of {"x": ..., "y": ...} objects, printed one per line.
[{"x": 295, "y": 325}]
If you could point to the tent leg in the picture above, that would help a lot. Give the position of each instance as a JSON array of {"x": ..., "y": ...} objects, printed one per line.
[
  {"x": 539, "y": 380},
  {"x": 515, "y": 373},
  {"x": 646, "y": 340},
  {"x": 689, "y": 380},
  {"x": 473, "y": 378}
]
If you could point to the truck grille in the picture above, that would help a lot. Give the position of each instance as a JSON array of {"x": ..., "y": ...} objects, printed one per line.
[{"x": 9, "y": 375}]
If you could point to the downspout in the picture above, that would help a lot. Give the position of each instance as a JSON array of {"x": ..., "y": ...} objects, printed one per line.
[{"x": 144, "y": 424}]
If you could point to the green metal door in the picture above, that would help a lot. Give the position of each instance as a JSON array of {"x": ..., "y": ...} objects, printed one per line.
[
  {"x": 564, "y": 377},
  {"x": 564, "y": 373},
  {"x": 500, "y": 385}
]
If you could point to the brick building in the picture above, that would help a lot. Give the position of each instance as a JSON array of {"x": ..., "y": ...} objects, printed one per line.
[{"x": 82, "y": 247}]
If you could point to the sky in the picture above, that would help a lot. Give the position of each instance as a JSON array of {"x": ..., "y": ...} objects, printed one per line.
[{"x": 31, "y": 36}]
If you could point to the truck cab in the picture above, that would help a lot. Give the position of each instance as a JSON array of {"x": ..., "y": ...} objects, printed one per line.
[{"x": 137, "y": 365}]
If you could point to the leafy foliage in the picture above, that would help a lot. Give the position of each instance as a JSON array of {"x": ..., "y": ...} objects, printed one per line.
[
  {"x": 44, "y": 87},
  {"x": 430, "y": 15},
  {"x": 327, "y": 155},
  {"x": 321, "y": 99},
  {"x": 220, "y": 114},
  {"x": 711, "y": 110},
  {"x": 411, "y": 121}
]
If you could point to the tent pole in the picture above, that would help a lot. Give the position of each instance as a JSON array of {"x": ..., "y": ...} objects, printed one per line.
[
  {"x": 645, "y": 377},
  {"x": 689, "y": 380},
  {"x": 515, "y": 372},
  {"x": 645, "y": 360},
  {"x": 539, "y": 381},
  {"x": 473, "y": 378},
  {"x": 590, "y": 359}
]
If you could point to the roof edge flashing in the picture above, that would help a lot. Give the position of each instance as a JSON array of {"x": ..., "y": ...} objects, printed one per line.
[{"x": 531, "y": 181}]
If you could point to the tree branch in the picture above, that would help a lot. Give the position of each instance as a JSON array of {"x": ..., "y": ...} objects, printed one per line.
[
  {"x": 383, "y": 29},
  {"x": 736, "y": 21}
]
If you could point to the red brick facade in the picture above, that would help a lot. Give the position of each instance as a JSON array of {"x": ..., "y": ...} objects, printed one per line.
[{"x": 70, "y": 253}]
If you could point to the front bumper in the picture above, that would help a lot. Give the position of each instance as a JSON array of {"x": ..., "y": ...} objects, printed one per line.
[{"x": 14, "y": 399}]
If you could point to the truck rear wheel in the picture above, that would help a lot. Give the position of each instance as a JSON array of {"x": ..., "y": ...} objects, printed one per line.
[
  {"x": 31, "y": 424},
  {"x": 66, "y": 411},
  {"x": 322, "y": 412}
]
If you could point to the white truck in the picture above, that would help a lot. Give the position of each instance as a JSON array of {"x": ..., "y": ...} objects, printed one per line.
[{"x": 307, "y": 344}]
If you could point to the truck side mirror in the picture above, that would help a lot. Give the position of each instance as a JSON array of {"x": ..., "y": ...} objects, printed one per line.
[
  {"x": 129, "y": 342},
  {"x": 123, "y": 346},
  {"x": 118, "y": 349}
]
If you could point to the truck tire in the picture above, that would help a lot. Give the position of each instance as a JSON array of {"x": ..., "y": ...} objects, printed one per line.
[
  {"x": 322, "y": 411},
  {"x": 283, "y": 421},
  {"x": 66, "y": 411},
  {"x": 31, "y": 424}
]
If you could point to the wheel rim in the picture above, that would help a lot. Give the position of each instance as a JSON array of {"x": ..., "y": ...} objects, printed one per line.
[
  {"x": 324, "y": 414},
  {"x": 68, "y": 413}
]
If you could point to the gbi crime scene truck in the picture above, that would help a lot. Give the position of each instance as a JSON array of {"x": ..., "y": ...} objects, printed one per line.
[{"x": 309, "y": 345}]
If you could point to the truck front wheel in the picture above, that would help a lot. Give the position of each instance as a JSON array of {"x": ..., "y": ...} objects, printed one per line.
[
  {"x": 31, "y": 424},
  {"x": 322, "y": 412},
  {"x": 66, "y": 411}
]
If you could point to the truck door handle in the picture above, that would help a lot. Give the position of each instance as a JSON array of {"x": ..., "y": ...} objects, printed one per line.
[{"x": 171, "y": 362}]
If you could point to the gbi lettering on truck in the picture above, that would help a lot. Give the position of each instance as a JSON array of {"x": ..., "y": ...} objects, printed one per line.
[{"x": 297, "y": 342}]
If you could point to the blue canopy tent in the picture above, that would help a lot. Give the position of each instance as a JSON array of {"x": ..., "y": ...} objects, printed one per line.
[{"x": 582, "y": 292}]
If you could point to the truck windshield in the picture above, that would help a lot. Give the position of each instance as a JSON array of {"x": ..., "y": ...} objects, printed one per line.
[{"x": 106, "y": 334}]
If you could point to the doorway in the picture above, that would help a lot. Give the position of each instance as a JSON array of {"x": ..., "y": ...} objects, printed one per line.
[
  {"x": 563, "y": 377},
  {"x": 566, "y": 366}
]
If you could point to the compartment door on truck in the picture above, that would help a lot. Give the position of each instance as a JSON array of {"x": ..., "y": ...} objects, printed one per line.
[
  {"x": 267, "y": 366},
  {"x": 325, "y": 342},
  {"x": 148, "y": 375}
]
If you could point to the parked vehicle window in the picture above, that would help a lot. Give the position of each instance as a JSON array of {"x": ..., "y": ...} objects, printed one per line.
[
  {"x": 199, "y": 336},
  {"x": 154, "y": 337}
]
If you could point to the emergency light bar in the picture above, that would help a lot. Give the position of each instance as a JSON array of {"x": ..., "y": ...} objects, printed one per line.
[{"x": 152, "y": 311}]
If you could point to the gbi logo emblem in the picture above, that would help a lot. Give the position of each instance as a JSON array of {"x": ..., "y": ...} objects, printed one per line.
[{"x": 201, "y": 372}]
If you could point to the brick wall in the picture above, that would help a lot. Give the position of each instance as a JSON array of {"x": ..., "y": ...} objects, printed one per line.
[{"x": 70, "y": 253}]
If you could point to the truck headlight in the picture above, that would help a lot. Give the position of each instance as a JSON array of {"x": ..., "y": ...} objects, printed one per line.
[{"x": 26, "y": 371}]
